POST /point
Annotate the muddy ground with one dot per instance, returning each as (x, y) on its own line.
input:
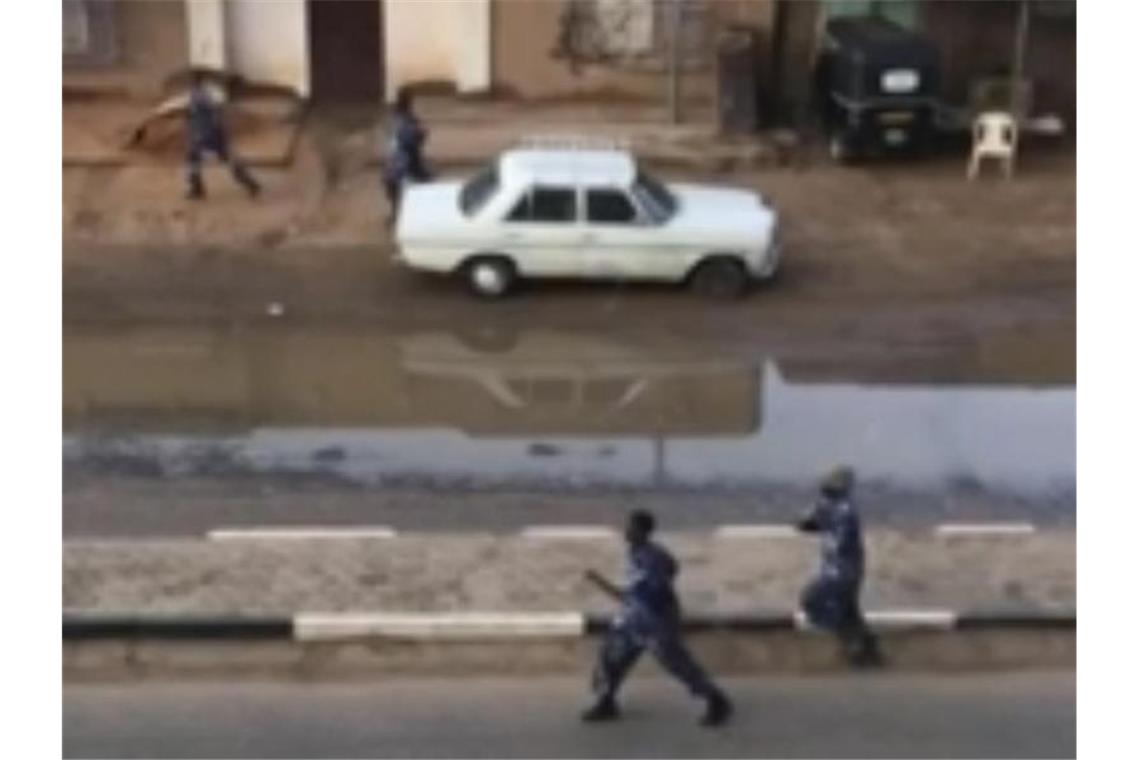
(893, 252)
(955, 281)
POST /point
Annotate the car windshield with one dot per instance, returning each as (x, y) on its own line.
(477, 190)
(655, 197)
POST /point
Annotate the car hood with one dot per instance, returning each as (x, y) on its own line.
(430, 209)
(704, 208)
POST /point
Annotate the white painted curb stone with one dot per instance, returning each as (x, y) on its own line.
(433, 626)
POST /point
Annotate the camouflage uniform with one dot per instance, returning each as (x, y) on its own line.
(207, 135)
(831, 599)
(404, 156)
(650, 618)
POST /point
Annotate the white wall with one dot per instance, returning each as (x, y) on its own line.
(267, 41)
(448, 40)
(206, 23)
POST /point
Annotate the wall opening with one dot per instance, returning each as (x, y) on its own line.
(346, 50)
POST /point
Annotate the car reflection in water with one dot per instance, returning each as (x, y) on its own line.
(539, 383)
(538, 408)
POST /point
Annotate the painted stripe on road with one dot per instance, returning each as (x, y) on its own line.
(757, 531)
(569, 531)
(985, 529)
(472, 625)
(300, 533)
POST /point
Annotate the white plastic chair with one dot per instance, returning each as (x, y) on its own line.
(995, 136)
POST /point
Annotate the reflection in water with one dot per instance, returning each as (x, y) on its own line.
(543, 383)
(541, 409)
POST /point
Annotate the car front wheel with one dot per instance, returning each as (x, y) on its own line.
(490, 276)
(721, 278)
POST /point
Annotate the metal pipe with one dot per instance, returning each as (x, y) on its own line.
(675, 61)
(1017, 104)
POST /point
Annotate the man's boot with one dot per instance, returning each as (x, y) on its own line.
(868, 655)
(195, 190)
(242, 175)
(717, 710)
(861, 650)
(602, 710)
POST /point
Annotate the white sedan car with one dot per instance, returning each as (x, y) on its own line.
(585, 214)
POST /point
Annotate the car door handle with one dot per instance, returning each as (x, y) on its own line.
(589, 238)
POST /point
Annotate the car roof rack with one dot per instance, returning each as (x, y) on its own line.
(574, 142)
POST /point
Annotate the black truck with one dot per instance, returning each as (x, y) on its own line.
(877, 84)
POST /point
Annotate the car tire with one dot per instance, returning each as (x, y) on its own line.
(721, 278)
(490, 276)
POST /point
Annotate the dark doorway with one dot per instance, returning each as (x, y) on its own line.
(345, 50)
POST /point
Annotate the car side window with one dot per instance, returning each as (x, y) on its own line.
(609, 207)
(546, 204)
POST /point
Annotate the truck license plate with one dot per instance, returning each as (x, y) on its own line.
(895, 136)
(896, 117)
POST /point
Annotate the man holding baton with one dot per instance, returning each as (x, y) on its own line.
(649, 618)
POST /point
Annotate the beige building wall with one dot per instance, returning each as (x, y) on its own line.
(438, 41)
(144, 42)
(268, 42)
(525, 34)
(206, 21)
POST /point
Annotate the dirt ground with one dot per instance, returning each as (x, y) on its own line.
(905, 252)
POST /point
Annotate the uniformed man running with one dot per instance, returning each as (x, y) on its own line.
(649, 618)
(831, 599)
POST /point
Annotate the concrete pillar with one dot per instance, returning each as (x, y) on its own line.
(433, 41)
(269, 41)
(206, 21)
(473, 40)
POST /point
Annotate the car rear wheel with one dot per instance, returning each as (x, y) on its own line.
(722, 278)
(490, 276)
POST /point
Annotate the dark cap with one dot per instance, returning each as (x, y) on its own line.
(838, 480)
(642, 521)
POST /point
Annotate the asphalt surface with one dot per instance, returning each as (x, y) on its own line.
(993, 715)
(111, 508)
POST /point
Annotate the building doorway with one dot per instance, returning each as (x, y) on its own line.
(346, 50)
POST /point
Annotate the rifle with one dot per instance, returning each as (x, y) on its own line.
(605, 585)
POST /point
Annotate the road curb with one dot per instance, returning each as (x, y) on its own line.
(1019, 620)
(100, 647)
(89, 626)
(78, 626)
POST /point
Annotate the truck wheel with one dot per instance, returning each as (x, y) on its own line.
(490, 276)
(722, 278)
(840, 149)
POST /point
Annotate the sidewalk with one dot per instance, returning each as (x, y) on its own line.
(470, 604)
(483, 573)
(462, 134)
(321, 174)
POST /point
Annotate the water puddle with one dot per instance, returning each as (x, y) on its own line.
(544, 409)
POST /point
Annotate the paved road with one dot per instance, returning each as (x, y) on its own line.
(112, 507)
(1000, 715)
